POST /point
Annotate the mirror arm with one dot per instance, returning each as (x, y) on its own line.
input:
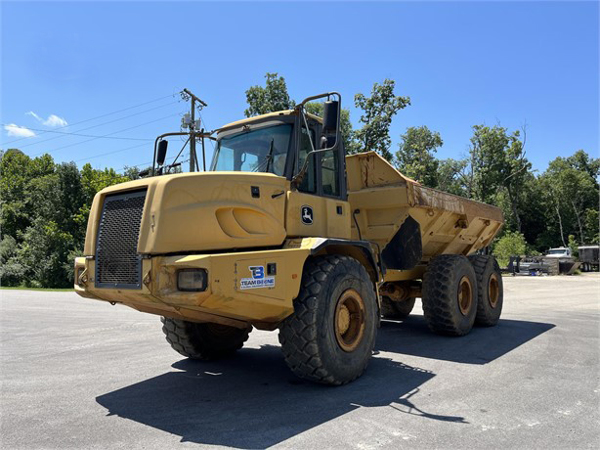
(180, 151)
(300, 175)
(316, 97)
(176, 133)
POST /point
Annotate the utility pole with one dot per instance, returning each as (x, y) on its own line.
(187, 94)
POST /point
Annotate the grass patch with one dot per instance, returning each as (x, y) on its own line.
(24, 288)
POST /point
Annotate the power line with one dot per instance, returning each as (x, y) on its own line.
(88, 135)
(99, 125)
(103, 115)
(110, 153)
(109, 134)
(118, 176)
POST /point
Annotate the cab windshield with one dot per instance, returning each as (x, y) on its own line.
(259, 150)
(558, 251)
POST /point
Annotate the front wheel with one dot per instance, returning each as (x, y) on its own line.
(330, 336)
(206, 341)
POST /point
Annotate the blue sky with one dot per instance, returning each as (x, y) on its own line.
(462, 63)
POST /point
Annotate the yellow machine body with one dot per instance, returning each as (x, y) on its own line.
(230, 222)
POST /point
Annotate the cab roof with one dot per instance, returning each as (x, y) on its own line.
(253, 119)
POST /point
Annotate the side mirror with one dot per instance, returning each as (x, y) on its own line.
(162, 152)
(331, 110)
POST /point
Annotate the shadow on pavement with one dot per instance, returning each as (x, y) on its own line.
(480, 346)
(253, 401)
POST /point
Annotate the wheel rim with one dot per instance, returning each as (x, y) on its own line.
(349, 320)
(465, 295)
(493, 290)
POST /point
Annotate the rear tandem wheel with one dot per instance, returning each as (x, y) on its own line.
(450, 295)
(490, 292)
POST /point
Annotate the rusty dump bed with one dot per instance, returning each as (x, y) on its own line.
(386, 199)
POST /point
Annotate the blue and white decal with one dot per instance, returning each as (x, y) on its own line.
(258, 280)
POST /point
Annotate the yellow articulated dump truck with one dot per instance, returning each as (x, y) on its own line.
(286, 232)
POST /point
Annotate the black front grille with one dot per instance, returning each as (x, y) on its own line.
(118, 265)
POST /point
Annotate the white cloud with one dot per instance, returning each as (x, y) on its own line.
(18, 131)
(53, 120)
(34, 115)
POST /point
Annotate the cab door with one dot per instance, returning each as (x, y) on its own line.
(319, 207)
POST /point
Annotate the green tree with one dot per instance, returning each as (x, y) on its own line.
(450, 176)
(486, 161)
(592, 226)
(571, 191)
(497, 163)
(270, 98)
(377, 113)
(17, 171)
(44, 251)
(581, 161)
(573, 246)
(11, 269)
(416, 155)
(512, 243)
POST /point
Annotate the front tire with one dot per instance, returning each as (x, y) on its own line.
(330, 336)
(204, 341)
(450, 295)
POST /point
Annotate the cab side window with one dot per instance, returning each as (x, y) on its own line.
(330, 173)
(309, 183)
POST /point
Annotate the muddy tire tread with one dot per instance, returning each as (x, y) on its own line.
(438, 299)
(298, 336)
(194, 340)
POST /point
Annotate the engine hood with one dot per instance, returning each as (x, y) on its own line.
(198, 212)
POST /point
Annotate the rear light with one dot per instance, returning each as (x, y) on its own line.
(192, 280)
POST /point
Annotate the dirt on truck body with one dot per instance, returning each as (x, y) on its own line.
(287, 232)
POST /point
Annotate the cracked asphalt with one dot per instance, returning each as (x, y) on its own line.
(77, 373)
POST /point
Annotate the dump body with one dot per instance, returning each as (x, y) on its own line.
(589, 254)
(386, 199)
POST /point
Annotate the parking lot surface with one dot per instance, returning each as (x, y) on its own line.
(77, 373)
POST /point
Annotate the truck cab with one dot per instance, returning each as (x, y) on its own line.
(559, 252)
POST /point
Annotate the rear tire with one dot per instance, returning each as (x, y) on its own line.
(490, 292)
(205, 341)
(450, 295)
(396, 310)
(330, 337)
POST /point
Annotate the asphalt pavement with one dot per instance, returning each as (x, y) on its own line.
(78, 373)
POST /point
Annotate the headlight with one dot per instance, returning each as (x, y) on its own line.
(192, 280)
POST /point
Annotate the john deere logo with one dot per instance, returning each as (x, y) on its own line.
(307, 215)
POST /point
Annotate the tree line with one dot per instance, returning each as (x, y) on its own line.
(44, 205)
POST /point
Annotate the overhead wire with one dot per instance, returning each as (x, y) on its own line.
(109, 134)
(89, 135)
(111, 153)
(100, 116)
(96, 126)
(118, 176)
